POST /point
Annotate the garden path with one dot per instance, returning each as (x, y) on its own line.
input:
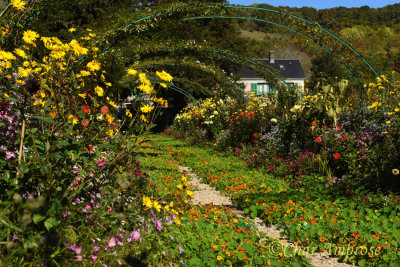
(205, 194)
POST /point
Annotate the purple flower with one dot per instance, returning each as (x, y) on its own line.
(75, 169)
(65, 213)
(173, 216)
(94, 256)
(96, 249)
(158, 225)
(135, 235)
(15, 237)
(180, 248)
(364, 197)
(78, 250)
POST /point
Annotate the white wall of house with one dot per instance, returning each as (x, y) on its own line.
(262, 85)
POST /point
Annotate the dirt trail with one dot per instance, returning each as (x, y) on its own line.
(205, 194)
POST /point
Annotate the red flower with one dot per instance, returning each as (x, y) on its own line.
(336, 155)
(318, 139)
(86, 108)
(325, 127)
(322, 239)
(104, 110)
(314, 123)
(344, 137)
(85, 123)
(338, 128)
(255, 134)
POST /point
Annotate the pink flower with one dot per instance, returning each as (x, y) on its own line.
(75, 169)
(101, 163)
(111, 242)
(135, 235)
(96, 249)
(94, 256)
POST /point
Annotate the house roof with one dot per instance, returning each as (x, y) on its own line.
(288, 69)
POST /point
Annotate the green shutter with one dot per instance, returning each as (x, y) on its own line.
(254, 88)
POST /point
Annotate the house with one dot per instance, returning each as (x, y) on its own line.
(289, 69)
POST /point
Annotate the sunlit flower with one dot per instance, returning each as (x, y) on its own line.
(132, 72)
(146, 109)
(72, 30)
(20, 52)
(99, 91)
(18, 4)
(77, 48)
(30, 37)
(93, 66)
(164, 76)
(395, 171)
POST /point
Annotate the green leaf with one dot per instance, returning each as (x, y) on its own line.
(51, 222)
(38, 218)
(362, 262)
(45, 119)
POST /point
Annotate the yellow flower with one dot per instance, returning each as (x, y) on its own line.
(128, 114)
(30, 37)
(110, 132)
(112, 103)
(146, 109)
(82, 95)
(387, 122)
(177, 222)
(146, 88)
(99, 91)
(72, 30)
(143, 118)
(132, 72)
(163, 85)
(6, 56)
(143, 79)
(77, 48)
(147, 202)
(73, 119)
(39, 102)
(189, 193)
(164, 76)
(84, 73)
(18, 4)
(157, 206)
(219, 257)
(395, 171)
(180, 187)
(23, 72)
(93, 66)
(20, 52)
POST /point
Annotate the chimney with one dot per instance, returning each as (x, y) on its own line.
(271, 57)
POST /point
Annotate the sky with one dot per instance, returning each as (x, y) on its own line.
(318, 4)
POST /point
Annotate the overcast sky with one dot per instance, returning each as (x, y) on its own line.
(318, 4)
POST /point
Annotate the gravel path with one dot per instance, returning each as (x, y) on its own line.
(205, 194)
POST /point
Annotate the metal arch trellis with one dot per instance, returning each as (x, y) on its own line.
(268, 10)
(188, 66)
(286, 27)
(215, 51)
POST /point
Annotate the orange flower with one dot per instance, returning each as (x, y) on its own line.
(376, 236)
(85, 123)
(104, 110)
(318, 139)
(336, 155)
(314, 123)
(322, 239)
(338, 128)
(269, 262)
(86, 108)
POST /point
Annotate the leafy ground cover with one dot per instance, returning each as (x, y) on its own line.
(314, 214)
(207, 234)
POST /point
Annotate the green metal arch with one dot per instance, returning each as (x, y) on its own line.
(215, 51)
(289, 28)
(308, 22)
(187, 66)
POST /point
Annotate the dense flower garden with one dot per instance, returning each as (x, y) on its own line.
(332, 173)
(83, 184)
